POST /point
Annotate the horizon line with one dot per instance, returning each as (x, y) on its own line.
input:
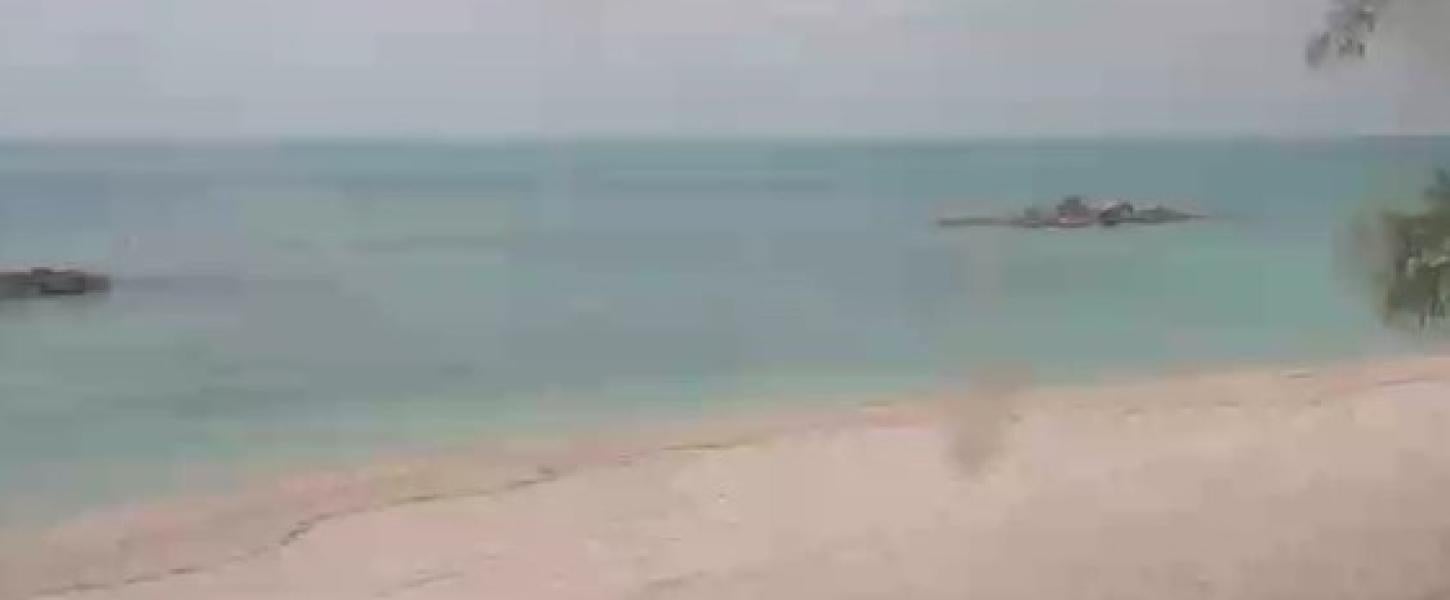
(447, 139)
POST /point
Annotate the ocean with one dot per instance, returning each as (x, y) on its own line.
(299, 303)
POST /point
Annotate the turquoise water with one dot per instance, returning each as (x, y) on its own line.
(314, 301)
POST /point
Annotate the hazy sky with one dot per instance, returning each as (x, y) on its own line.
(690, 67)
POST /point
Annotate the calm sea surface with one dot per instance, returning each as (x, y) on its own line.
(307, 302)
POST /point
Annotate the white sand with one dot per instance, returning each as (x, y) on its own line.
(1274, 484)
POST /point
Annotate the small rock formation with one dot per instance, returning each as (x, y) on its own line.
(1075, 212)
(41, 282)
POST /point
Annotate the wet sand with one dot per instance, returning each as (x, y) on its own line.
(1326, 482)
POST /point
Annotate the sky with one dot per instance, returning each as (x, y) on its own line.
(561, 68)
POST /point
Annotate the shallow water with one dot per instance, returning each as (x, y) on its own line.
(318, 301)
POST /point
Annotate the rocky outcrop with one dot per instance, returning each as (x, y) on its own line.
(1073, 212)
(51, 282)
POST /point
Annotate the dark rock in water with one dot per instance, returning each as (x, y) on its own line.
(1115, 213)
(1074, 212)
(1160, 214)
(51, 282)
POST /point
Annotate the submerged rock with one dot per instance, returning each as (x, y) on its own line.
(51, 282)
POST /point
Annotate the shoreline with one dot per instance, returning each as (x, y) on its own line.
(973, 461)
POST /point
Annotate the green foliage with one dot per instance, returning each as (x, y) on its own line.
(1346, 29)
(1410, 253)
(1416, 276)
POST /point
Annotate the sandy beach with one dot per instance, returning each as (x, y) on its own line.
(1323, 482)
